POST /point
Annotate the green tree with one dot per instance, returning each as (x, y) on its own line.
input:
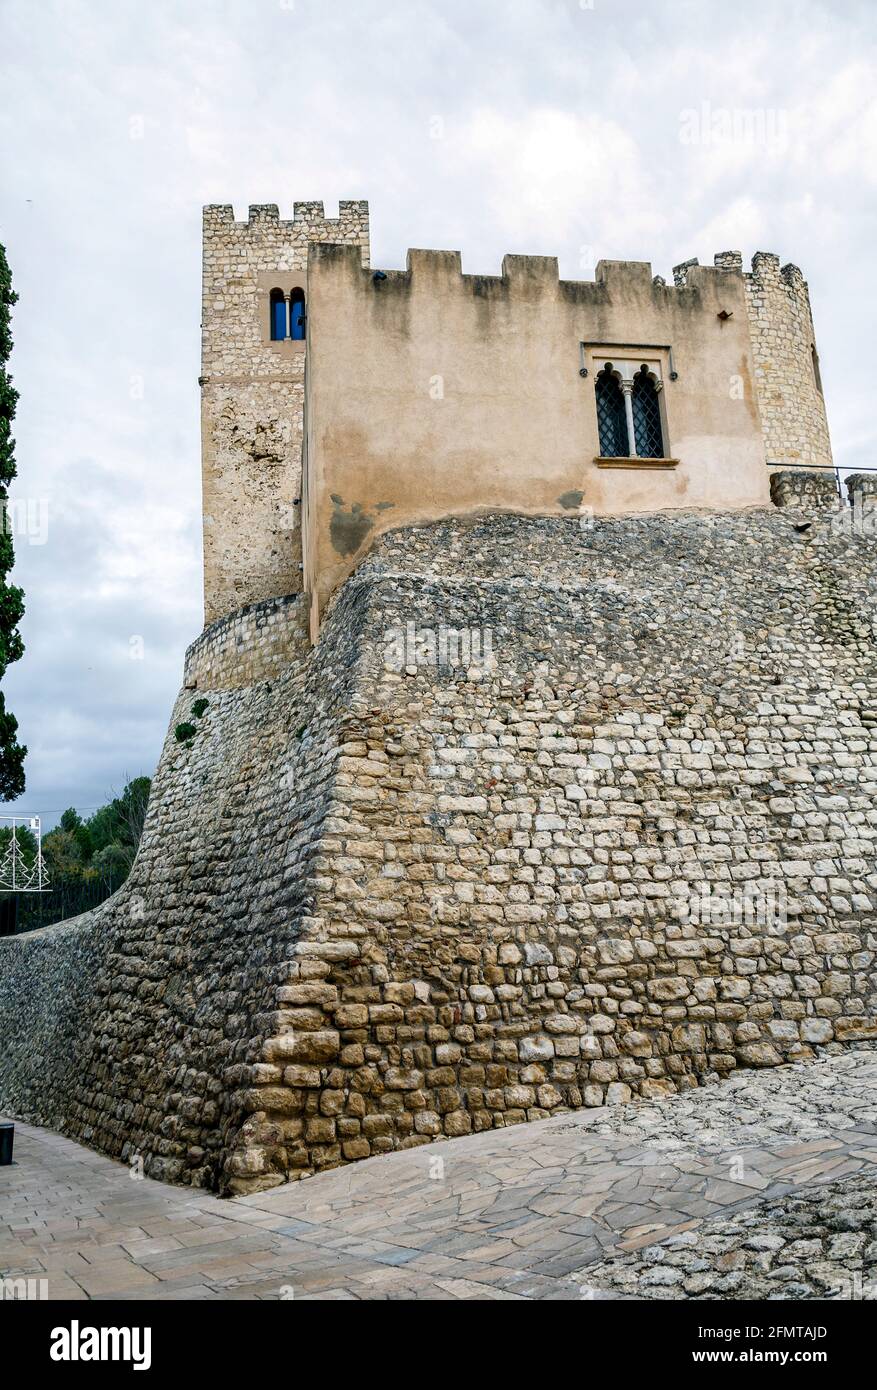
(12, 753)
(86, 860)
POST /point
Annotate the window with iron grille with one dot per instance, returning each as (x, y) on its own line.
(611, 418)
(648, 435)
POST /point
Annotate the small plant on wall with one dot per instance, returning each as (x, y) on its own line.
(185, 733)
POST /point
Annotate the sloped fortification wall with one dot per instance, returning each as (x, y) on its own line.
(135, 1026)
(382, 899)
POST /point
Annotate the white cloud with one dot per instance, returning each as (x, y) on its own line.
(548, 175)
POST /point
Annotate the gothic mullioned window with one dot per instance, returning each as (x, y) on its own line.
(278, 316)
(630, 419)
(610, 414)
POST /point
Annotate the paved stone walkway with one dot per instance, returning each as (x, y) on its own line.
(550, 1210)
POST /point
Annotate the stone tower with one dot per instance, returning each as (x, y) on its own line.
(252, 394)
(788, 383)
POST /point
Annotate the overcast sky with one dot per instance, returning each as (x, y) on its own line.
(645, 130)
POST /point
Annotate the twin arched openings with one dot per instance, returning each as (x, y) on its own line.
(629, 414)
(287, 315)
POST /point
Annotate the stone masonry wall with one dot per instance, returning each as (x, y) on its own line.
(255, 644)
(808, 489)
(622, 841)
(253, 397)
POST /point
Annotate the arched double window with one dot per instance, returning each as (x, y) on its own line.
(629, 411)
(287, 315)
(648, 435)
(611, 417)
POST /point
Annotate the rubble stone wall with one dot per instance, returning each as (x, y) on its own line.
(137, 1026)
(256, 643)
(553, 815)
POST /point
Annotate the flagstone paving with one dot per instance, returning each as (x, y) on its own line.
(583, 1205)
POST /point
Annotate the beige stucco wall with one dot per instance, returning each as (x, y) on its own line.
(432, 393)
(253, 395)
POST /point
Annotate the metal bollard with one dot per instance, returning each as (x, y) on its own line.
(7, 1135)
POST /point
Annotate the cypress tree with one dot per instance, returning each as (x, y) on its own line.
(11, 597)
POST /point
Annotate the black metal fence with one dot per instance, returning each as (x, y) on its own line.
(22, 912)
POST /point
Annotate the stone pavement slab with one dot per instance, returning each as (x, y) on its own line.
(544, 1210)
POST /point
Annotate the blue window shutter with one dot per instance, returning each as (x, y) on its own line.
(278, 316)
(297, 315)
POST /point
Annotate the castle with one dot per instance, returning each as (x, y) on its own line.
(340, 402)
(572, 800)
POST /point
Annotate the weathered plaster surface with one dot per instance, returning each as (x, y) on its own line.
(432, 393)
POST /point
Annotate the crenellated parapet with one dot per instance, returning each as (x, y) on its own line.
(524, 276)
(307, 217)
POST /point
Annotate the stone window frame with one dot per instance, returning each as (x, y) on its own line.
(287, 281)
(624, 363)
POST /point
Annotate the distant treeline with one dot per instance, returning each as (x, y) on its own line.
(86, 860)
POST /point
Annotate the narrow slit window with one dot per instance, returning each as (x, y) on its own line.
(610, 415)
(297, 315)
(648, 435)
(278, 316)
